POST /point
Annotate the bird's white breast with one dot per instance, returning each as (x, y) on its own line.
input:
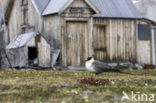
(89, 66)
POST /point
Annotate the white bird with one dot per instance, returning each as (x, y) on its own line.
(98, 66)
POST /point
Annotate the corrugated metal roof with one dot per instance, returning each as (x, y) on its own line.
(54, 6)
(21, 40)
(116, 8)
(108, 8)
(41, 4)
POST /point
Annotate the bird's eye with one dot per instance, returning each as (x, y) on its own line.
(89, 58)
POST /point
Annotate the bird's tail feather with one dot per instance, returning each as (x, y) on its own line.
(119, 71)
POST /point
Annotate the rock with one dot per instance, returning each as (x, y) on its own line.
(87, 93)
(139, 67)
(60, 68)
(126, 64)
(35, 62)
(75, 68)
(132, 67)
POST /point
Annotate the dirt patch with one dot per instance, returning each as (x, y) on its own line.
(147, 66)
(93, 81)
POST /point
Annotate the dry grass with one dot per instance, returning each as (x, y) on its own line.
(65, 87)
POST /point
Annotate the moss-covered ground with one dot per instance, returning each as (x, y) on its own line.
(65, 87)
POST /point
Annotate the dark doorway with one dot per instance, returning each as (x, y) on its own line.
(32, 55)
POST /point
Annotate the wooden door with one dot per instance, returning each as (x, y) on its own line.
(75, 46)
(100, 50)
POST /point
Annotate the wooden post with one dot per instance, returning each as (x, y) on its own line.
(7, 58)
(153, 47)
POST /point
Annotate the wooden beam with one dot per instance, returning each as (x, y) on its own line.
(153, 48)
(9, 9)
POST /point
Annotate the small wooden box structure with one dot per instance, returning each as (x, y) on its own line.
(29, 49)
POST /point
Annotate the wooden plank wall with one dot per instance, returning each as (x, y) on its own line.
(144, 52)
(120, 39)
(44, 53)
(34, 18)
(88, 38)
(155, 43)
(100, 50)
(15, 20)
(52, 30)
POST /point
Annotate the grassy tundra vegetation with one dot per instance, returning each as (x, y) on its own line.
(72, 86)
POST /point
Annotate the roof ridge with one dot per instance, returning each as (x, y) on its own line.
(45, 7)
(58, 6)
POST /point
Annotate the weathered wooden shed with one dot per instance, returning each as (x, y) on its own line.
(104, 29)
(29, 49)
